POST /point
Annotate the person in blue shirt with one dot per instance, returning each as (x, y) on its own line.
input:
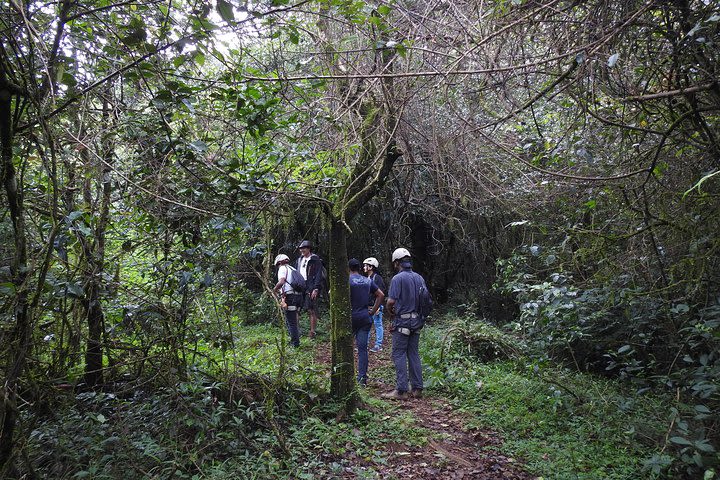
(370, 265)
(360, 289)
(402, 306)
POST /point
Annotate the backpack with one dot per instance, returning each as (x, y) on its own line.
(425, 302)
(296, 281)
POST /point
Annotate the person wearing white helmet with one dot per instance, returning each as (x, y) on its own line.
(290, 300)
(370, 266)
(402, 306)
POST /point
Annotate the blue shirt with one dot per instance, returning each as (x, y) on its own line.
(360, 289)
(404, 288)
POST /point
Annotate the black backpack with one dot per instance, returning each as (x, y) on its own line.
(296, 281)
(425, 302)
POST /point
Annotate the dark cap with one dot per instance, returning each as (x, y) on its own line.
(305, 244)
(354, 264)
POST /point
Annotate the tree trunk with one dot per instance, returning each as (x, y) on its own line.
(19, 344)
(94, 253)
(342, 379)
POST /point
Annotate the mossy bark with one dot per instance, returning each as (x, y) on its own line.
(342, 378)
(18, 344)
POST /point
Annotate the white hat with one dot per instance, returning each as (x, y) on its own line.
(400, 253)
(371, 261)
(281, 258)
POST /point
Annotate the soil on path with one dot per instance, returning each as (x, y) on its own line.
(453, 451)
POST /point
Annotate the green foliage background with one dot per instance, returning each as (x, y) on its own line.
(554, 172)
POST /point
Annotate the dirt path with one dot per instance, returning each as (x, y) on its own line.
(453, 452)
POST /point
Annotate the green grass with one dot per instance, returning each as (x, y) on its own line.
(561, 425)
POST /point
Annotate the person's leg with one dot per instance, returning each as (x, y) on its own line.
(379, 331)
(399, 358)
(361, 342)
(291, 321)
(313, 321)
(311, 307)
(413, 353)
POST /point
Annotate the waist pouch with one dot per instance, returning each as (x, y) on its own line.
(411, 324)
(294, 300)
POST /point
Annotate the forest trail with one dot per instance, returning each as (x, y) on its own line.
(453, 452)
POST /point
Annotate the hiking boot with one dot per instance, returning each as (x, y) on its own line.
(416, 393)
(395, 395)
(376, 349)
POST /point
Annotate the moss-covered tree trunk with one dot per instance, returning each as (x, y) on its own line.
(18, 343)
(342, 378)
(376, 114)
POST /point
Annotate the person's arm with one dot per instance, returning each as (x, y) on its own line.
(390, 305)
(379, 297)
(315, 283)
(280, 282)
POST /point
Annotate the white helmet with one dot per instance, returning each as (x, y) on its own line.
(372, 261)
(281, 258)
(400, 253)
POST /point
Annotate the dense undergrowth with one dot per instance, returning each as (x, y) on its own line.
(270, 418)
(561, 424)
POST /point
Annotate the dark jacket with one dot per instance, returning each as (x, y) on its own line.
(380, 284)
(314, 272)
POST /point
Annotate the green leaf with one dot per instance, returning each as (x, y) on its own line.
(383, 9)
(199, 146)
(680, 441)
(188, 104)
(7, 288)
(74, 216)
(75, 290)
(85, 230)
(225, 9)
(294, 36)
(704, 446)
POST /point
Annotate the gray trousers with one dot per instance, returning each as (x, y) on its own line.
(405, 353)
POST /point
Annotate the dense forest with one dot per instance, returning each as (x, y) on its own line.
(552, 165)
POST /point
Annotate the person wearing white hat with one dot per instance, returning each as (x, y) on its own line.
(370, 266)
(403, 306)
(290, 300)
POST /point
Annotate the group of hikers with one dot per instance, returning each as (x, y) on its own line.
(407, 303)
